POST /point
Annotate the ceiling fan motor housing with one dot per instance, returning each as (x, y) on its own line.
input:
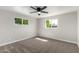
(38, 9)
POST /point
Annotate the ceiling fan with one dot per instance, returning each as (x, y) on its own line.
(39, 9)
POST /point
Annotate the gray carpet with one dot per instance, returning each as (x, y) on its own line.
(40, 45)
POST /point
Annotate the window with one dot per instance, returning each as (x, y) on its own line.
(21, 21)
(25, 22)
(51, 23)
(18, 21)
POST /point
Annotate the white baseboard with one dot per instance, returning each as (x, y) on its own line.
(61, 40)
(15, 41)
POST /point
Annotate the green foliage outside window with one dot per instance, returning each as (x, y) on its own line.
(25, 22)
(18, 20)
(48, 24)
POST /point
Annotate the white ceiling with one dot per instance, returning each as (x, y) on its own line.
(52, 10)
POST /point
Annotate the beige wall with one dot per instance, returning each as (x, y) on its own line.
(66, 31)
(11, 32)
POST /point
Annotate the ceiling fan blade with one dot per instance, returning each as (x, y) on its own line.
(34, 12)
(44, 8)
(33, 8)
(44, 12)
